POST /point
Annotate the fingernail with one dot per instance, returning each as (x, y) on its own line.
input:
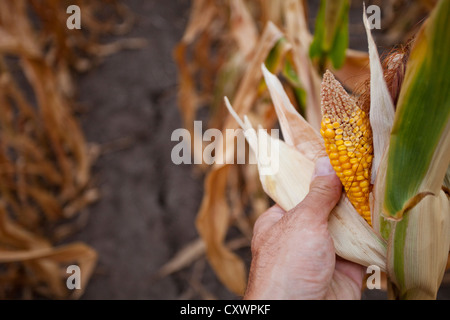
(323, 167)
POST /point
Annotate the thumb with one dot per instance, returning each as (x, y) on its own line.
(324, 191)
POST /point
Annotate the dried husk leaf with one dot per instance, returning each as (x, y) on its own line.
(296, 131)
(381, 106)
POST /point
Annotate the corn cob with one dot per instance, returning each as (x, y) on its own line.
(348, 142)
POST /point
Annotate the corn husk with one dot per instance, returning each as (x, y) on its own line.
(419, 152)
(221, 206)
(381, 106)
(418, 250)
(409, 192)
(291, 176)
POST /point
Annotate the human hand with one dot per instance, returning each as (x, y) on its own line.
(293, 252)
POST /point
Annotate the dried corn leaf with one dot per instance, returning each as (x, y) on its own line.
(214, 215)
(212, 224)
(298, 35)
(46, 165)
(45, 264)
(243, 28)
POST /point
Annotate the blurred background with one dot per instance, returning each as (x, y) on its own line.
(85, 135)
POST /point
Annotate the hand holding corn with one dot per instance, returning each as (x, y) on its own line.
(293, 253)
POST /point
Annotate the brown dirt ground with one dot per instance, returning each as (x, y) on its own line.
(148, 204)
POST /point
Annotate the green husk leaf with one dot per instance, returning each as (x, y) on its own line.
(447, 178)
(419, 152)
(418, 250)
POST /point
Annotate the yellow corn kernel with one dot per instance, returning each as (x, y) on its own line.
(349, 146)
(335, 163)
(332, 147)
(357, 194)
(348, 173)
(346, 165)
(333, 155)
(329, 133)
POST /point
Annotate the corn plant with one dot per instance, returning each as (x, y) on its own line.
(392, 160)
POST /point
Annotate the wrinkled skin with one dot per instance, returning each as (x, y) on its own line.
(293, 252)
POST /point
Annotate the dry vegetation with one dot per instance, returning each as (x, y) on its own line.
(220, 55)
(45, 161)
